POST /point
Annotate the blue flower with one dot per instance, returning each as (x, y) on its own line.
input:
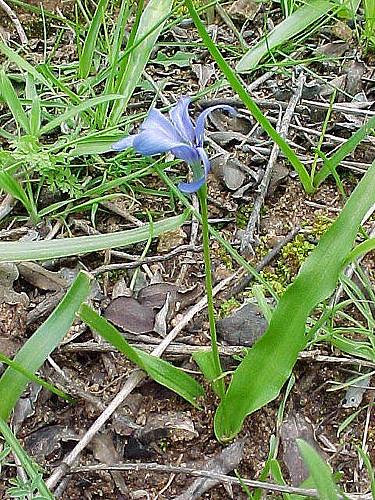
(179, 136)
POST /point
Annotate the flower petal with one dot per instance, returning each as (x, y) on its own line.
(186, 153)
(179, 115)
(191, 187)
(206, 162)
(151, 142)
(125, 143)
(199, 127)
(158, 123)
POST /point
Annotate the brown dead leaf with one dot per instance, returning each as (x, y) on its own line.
(131, 316)
(170, 240)
(296, 427)
(41, 278)
(243, 327)
(244, 9)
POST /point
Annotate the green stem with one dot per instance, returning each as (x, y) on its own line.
(219, 383)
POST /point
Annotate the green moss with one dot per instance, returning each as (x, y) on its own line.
(321, 224)
(283, 270)
(243, 215)
(228, 306)
(225, 258)
(295, 253)
(183, 10)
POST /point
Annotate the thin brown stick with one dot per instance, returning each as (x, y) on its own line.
(247, 240)
(13, 17)
(147, 260)
(229, 350)
(223, 478)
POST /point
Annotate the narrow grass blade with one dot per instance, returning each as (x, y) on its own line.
(14, 188)
(35, 351)
(14, 104)
(34, 378)
(361, 249)
(159, 370)
(35, 112)
(26, 462)
(13, 56)
(76, 110)
(86, 58)
(139, 57)
(299, 21)
(320, 472)
(245, 97)
(116, 67)
(344, 150)
(266, 367)
(50, 249)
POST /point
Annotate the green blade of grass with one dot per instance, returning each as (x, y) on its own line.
(115, 67)
(361, 249)
(159, 370)
(245, 97)
(16, 366)
(262, 373)
(320, 472)
(76, 110)
(10, 97)
(330, 164)
(35, 112)
(14, 188)
(25, 461)
(299, 21)
(138, 58)
(86, 58)
(39, 346)
(13, 251)
(13, 56)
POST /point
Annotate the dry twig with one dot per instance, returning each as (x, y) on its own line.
(13, 17)
(223, 478)
(248, 236)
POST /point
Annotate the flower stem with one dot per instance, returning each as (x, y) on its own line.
(219, 384)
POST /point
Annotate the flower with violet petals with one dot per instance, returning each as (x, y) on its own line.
(177, 135)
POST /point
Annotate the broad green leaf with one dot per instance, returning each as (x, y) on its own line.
(159, 370)
(39, 346)
(299, 21)
(35, 112)
(180, 59)
(138, 58)
(14, 104)
(320, 472)
(14, 251)
(261, 375)
(26, 462)
(86, 58)
(356, 348)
